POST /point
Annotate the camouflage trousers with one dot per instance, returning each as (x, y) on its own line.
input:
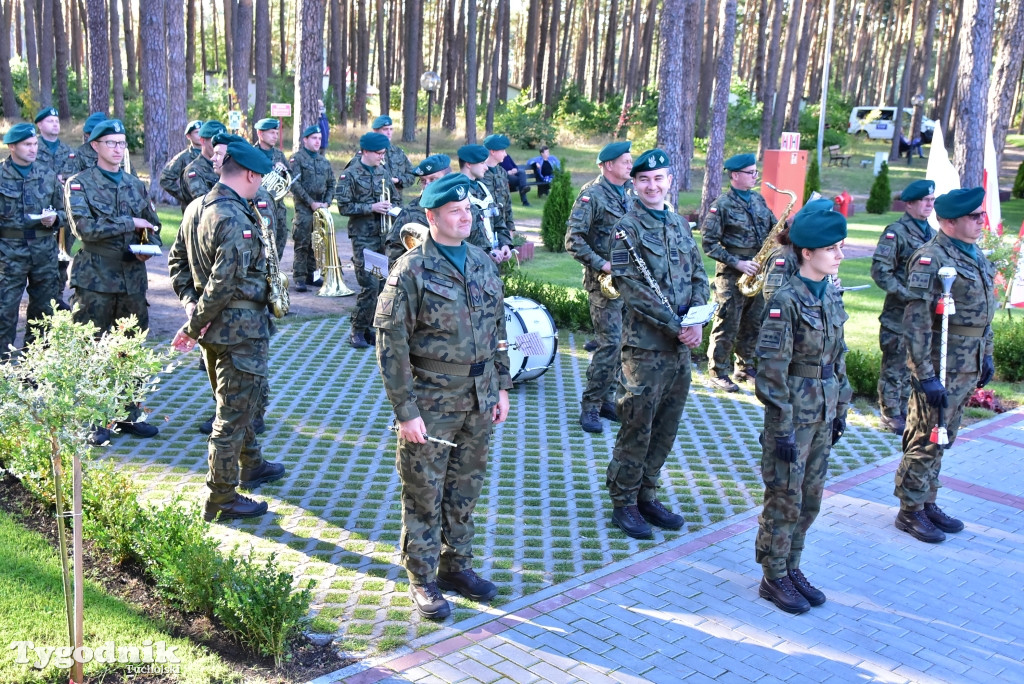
(603, 371)
(440, 488)
(736, 327)
(302, 240)
(281, 227)
(894, 378)
(370, 286)
(238, 376)
(792, 496)
(102, 309)
(26, 265)
(652, 396)
(917, 477)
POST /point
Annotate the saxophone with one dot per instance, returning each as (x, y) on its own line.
(278, 299)
(750, 285)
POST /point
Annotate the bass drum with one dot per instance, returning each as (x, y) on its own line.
(532, 338)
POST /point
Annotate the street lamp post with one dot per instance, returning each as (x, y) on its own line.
(429, 81)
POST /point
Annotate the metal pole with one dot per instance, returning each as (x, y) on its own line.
(824, 84)
(430, 106)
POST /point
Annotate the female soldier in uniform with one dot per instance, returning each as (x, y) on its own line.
(802, 383)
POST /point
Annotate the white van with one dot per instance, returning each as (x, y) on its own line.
(877, 122)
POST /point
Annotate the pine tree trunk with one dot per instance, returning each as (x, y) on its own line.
(131, 55)
(530, 56)
(309, 65)
(177, 114)
(241, 50)
(670, 91)
(792, 40)
(949, 80)
(449, 59)
(505, 41)
(31, 54)
(153, 81)
(190, 47)
(595, 63)
(117, 80)
(924, 67)
(688, 119)
(411, 73)
(7, 96)
(61, 55)
(46, 49)
(99, 56)
(716, 135)
(550, 87)
(383, 75)
(608, 65)
(972, 90)
(343, 43)
(362, 62)
(800, 69)
(904, 92)
(261, 60)
(707, 68)
(770, 82)
(1006, 77)
(76, 42)
(471, 70)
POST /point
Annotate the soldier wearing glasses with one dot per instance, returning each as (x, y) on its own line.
(736, 226)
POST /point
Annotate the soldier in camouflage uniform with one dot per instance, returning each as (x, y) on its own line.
(896, 245)
(781, 264)
(171, 176)
(655, 376)
(395, 161)
(440, 320)
(85, 156)
(226, 305)
(359, 197)
(429, 170)
(109, 210)
(313, 189)
(802, 383)
(54, 153)
(969, 363)
(198, 176)
(589, 238)
(268, 134)
(489, 230)
(28, 247)
(736, 226)
(496, 177)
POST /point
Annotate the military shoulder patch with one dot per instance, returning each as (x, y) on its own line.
(393, 280)
(770, 339)
(774, 280)
(883, 250)
(920, 281)
(780, 262)
(386, 306)
(262, 204)
(713, 210)
(925, 261)
(774, 313)
(75, 186)
(71, 155)
(620, 257)
(890, 236)
(247, 233)
(191, 174)
(341, 177)
(584, 199)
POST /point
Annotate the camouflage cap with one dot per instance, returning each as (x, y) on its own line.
(90, 123)
(211, 128)
(19, 132)
(267, 124)
(814, 229)
(451, 188)
(382, 121)
(374, 142)
(248, 157)
(46, 112)
(957, 203)
(193, 125)
(497, 141)
(649, 161)
(614, 150)
(739, 161)
(473, 154)
(105, 128)
(310, 130)
(919, 189)
(432, 164)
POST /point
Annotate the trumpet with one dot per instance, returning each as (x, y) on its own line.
(325, 249)
(278, 181)
(387, 221)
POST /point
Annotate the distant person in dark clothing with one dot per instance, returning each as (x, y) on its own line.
(543, 167)
(910, 147)
(516, 178)
(324, 126)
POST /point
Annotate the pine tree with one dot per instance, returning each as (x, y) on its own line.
(881, 194)
(556, 212)
(813, 181)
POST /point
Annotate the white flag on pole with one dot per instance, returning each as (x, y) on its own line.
(994, 217)
(940, 170)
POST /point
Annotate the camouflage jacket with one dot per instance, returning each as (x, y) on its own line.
(486, 212)
(264, 205)
(398, 166)
(590, 228)
(675, 263)
(170, 177)
(219, 262)
(20, 197)
(198, 178)
(83, 158)
(100, 214)
(359, 188)
(779, 267)
(394, 247)
(314, 179)
(496, 180)
(970, 326)
(896, 245)
(61, 161)
(428, 314)
(734, 230)
(802, 335)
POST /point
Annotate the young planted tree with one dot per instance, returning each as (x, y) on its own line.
(881, 193)
(556, 211)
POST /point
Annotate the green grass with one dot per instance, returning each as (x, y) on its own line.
(32, 609)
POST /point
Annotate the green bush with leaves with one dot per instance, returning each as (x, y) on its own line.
(881, 193)
(525, 122)
(1008, 351)
(259, 605)
(112, 515)
(568, 306)
(837, 116)
(556, 211)
(863, 369)
(743, 120)
(813, 182)
(1018, 183)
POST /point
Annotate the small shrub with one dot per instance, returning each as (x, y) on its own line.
(813, 182)
(112, 516)
(569, 307)
(556, 212)
(881, 194)
(1008, 352)
(863, 369)
(1018, 183)
(525, 122)
(259, 607)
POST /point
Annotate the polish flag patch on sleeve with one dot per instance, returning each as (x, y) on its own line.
(262, 204)
(191, 174)
(75, 186)
(780, 262)
(925, 261)
(775, 313)
(247, 233)
(584, 199)
(713, 210)
(890, 236)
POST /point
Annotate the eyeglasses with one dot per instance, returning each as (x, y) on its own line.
(978, 216)
(115, 144)
(752, 174)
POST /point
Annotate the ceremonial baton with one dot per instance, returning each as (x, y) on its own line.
(945, 307)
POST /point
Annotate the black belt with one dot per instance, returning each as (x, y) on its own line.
(963, 330)
(103, 250)
(246, 304)
(741, 252)
(464, 370)
(27, 234)
(801, 370)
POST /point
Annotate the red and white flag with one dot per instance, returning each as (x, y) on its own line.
(993, 215)
(940, 170)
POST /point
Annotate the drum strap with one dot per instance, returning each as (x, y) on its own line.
(463, 370)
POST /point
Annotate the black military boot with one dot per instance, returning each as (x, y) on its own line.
(357, 339)
(724, 382)
(655, 513)
(99, 436)
(240, 507)
(783, 594)
(267, 472)
(206, 427)
(629, 520)
(941, 520)
(315, 283)
(590, 420)
(748, 374)
(429, 602)
(467, 583)
(138, 429)
(608, 411)
(894, 424)
(918, 526)
(590, 345)
(371, 337)
(814, 596)
(300, 285)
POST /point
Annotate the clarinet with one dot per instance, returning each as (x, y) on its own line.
(642, 267)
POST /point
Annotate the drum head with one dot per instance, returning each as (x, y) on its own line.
(532, 338)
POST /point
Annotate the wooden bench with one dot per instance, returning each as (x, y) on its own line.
(836, 156)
